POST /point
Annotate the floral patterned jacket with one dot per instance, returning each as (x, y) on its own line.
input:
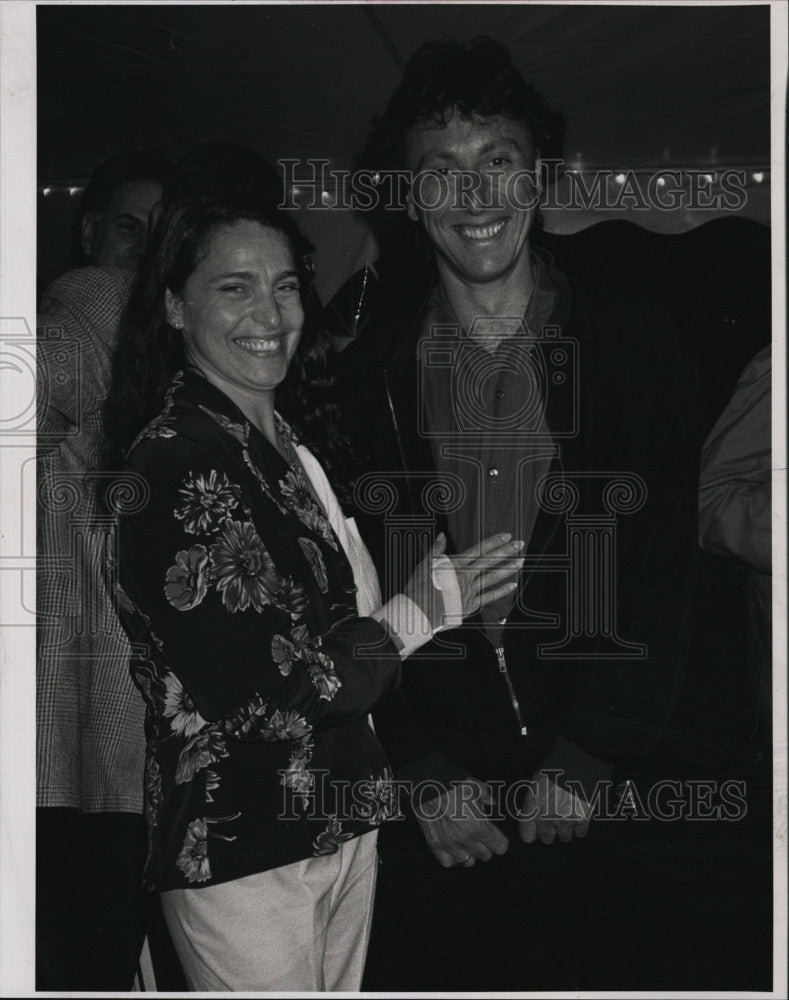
(257, 672)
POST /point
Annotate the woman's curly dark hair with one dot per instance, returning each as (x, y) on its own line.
(150, 351)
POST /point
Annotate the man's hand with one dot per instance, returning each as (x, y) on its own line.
(460, 834)
(553, 811)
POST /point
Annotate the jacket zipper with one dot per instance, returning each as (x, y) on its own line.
(499, 649)
(513, 697)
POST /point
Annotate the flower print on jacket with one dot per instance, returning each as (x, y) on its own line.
(299, 499)
(146, 676)
(154, 797)
(161, 425)
(285, 652)
(242, 568)
(324, 676)
(381, 800)
(211, 784)
(285, 725)
(246, 718)
(208, 500)
(328, 840)
(304, 648)
(179, 708)
(193, 856)
(239, 431)
(291, 598)
(313, 556)
(296, 491)
(206, 748)
(297, 776)
(187, 581)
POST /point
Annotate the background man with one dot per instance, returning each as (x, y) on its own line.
(92, 915)
(116, 206)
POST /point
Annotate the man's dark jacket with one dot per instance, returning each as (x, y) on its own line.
(633, 401)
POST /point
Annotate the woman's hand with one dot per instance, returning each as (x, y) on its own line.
(483, 573)
(487, 571)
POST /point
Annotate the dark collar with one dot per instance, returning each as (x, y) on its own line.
(548, 305)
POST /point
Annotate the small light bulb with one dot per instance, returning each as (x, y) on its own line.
(758, 176)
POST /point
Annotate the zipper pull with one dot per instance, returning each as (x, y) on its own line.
(513, 697)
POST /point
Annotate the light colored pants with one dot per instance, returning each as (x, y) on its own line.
(304, 926)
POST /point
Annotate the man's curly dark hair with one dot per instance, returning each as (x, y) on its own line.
(476, 79)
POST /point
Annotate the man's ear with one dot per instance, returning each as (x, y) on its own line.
(174, 309)
(88, 232)
(154, 215)
(410, 207)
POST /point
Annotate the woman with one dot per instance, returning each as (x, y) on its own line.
(255, 610)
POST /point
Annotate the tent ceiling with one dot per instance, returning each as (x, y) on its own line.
(639, 86)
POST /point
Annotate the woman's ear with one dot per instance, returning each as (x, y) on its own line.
(174, 308)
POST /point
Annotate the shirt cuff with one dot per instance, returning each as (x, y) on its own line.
(406, 623)
(445, 579)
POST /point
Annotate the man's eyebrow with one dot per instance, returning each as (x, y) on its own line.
(505, 141)
(445, 156)
(127, 217)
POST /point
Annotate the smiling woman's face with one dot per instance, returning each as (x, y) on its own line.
(241, 311)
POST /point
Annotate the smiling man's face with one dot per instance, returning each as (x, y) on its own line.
(481, 237)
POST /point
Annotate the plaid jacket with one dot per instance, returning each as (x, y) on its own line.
(90, 748)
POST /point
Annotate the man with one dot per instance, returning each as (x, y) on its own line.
(92, 915)
(116, 206)
(516, 399)
(90, 840)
